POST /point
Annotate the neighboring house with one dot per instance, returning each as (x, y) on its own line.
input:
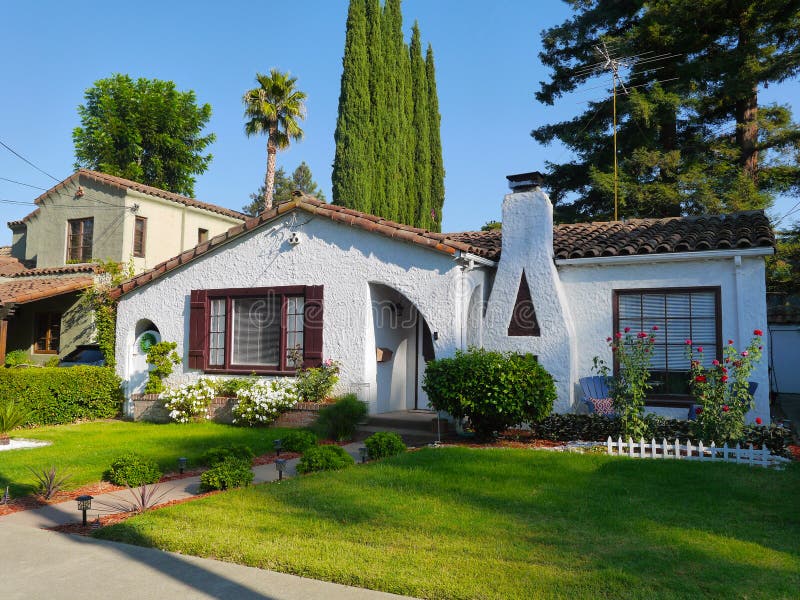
(89, 217)
(783, 322)
(383, 298)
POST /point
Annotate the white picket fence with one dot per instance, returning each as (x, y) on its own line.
(751, 456)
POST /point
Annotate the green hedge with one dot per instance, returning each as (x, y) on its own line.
(53, 395)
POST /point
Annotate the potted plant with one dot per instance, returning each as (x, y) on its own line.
(11, 416)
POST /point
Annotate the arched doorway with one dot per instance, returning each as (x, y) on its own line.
(403, 346)
(145, 335)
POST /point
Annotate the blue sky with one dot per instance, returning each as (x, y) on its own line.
(486, 65)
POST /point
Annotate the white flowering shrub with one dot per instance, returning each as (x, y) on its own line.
(263, 401)
(189, 402)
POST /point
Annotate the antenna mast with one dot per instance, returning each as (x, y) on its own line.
(614, 65)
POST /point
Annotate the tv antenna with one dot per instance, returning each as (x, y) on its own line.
(608, 63)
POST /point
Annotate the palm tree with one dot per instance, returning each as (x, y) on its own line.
(273, 108)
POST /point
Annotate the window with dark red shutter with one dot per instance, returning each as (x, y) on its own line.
(255, 330)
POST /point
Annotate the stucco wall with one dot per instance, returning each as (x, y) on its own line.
(344, 260)
(589, 291)
(785, 341)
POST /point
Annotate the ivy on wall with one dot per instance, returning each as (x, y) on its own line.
(98, 299)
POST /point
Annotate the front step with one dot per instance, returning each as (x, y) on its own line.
(417, 421)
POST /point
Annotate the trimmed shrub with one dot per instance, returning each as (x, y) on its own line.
(132, 469)
(214, 456)
(324, 458)
(299, 440)
(263, 400)
(231, 472)
(494, 390)
(339, 420)
(384, 444)
(52, 396)
(315, 384)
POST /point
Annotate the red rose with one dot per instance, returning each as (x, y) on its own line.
(730, 342)
(758, 420)
(618, 335)
(655, 327)
(608, 339)
(724, 378)
(647, 349)
(758, 332)
(699, 348)
(744, 353)
(700, 378)
(761, 347)
(698, 410)
(725, 408)
(641, 335)
(688, 342)
(715, 362)
(627, 330)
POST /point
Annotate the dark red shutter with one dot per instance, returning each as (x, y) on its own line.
(198, 329)
(312, 333)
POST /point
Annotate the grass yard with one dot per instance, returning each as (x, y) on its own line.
(465, 523)
(86, 450)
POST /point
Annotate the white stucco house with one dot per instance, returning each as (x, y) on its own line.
(383, 298)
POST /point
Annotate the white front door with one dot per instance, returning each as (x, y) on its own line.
(138, 368)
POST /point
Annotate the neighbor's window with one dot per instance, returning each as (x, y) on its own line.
(256, 332)
(47, 326)
(139, 236)
(202, 235)
(79, 239)
(680, 315)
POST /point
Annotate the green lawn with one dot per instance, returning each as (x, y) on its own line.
(462, 523)
(86, 450)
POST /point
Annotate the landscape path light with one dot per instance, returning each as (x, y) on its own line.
(278, 444)
(84, 504)
(182, 464)
(363, 452)
(280, 464)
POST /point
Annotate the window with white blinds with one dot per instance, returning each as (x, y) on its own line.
(216, 333)
(680, 315)
(256, 331)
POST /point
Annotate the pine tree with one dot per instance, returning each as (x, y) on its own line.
(351, 176)
(301, 179)
(697, 143)
(437, 163)
(421, 126)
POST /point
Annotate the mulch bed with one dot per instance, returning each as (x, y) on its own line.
(103, 487)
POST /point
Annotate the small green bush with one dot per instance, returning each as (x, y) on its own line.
(231, 472)
(299, 440)
(12, 415)
(315, 384)
(339, 420)
(324, 458)
(16, 358)
(214, 456)
(384, 444)
(494, 390)
(133, 469)
(52, 396)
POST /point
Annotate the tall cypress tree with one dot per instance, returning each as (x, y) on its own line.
(437, 163)
(421, 127)
(395, 151)
(378, 101)
(351, 177)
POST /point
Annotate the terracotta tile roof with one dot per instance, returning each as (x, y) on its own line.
(743, 230)
(5, 250)
(749, 229)
(65, 270)
(27, 290)
(124, 185)
(10, 265)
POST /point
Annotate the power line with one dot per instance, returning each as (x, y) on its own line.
(18, 155)
(36, 187)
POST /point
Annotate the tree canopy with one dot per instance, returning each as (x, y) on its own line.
(144, 130)
(301, 179)
(693, 136)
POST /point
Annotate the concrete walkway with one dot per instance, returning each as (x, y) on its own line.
(44, 564)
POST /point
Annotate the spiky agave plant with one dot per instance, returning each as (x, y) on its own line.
(12, 415)
(50, 481)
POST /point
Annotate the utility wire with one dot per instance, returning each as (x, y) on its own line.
(36, 187)
(18, 155)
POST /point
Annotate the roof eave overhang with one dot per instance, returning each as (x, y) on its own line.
(665, 257)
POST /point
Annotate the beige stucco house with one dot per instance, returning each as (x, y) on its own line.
(89, 217)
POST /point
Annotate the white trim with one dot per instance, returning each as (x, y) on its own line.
(665, 257)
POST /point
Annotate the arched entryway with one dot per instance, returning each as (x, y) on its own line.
(145, 335)
(403, 346)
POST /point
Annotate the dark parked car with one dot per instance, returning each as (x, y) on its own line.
(85, 354)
